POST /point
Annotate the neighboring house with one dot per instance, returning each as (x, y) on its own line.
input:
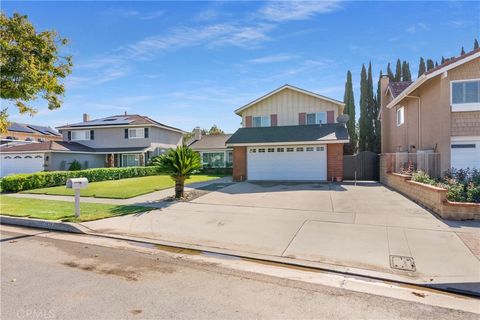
(116, 141)
(437, 113)
(21, 133)
(289, 134)
(213, 151)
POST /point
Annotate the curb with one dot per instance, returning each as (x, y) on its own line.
(42, 224)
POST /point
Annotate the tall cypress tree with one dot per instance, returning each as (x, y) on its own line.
(363, 122)
(398, 71)
(475, 44)
(430, 64)
(370, 110)
(406, 74)
(421, 67)
(349, 109)
(390, 75)
(462, 52)
(443, 60)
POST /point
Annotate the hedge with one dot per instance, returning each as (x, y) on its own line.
(20, 182)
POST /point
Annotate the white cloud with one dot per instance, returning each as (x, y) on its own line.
(417, 27)
(126, 13)
(296, 10)
(271, 59)
(206, 15)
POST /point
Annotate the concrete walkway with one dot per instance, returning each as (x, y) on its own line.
(366, 229)
(153, 199)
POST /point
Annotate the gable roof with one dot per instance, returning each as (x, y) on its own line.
(448, 65)
(119, 120)
(398, 87)
(210, 141)
(290, 134)
(284, 87)
(34, 129)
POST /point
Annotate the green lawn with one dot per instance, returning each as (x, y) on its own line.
(122, 189)
(62, 210)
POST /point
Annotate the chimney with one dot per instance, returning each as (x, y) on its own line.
(86, 117)
(125, 113)
(197, 133)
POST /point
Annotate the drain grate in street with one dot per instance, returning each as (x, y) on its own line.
(402, 263)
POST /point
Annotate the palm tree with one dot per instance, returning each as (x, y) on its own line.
(179, 163)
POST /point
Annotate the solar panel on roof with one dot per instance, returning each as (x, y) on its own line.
(19, 128)
(99, 122)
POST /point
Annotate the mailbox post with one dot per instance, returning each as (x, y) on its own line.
(77, 184)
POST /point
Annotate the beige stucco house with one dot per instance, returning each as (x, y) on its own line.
(289, 134)
(437, 113)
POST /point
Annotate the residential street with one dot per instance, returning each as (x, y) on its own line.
(44, 278)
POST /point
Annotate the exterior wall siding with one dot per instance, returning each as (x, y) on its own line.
(287, 104)
(465, 123)
(334, 161)
(239, 163)
(115, 137)
(55, 160)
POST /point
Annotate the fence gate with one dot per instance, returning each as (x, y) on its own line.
(361, 166)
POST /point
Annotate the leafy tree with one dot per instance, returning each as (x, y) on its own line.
(215, 130)
(398, 71)
(179, 163)
(390, 73)
(406, 75)
(430, 64)
(462, 52)
(475, 44)
(421, 67)
(349, 109)
(30, 65)
(363, 120)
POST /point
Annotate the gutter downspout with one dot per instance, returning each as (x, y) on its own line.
(419, 134)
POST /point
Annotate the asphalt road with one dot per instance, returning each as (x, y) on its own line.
(44, 278)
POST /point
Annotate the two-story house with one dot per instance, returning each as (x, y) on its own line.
(289, 134)
(23, 133)
(439, 114)
(116, 141)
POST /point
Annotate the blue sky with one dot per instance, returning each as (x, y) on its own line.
(190, 64)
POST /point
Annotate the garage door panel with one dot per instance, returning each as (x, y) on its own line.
(296, 165)
(21, 163)
(465, 154)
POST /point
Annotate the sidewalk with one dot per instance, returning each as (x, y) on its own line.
(153, 199)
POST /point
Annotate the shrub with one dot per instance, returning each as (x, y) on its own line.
(21, 182)
(456, 193)
(473, 193)
(423, 177)
(74, 166)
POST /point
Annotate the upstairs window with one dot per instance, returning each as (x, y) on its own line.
(317, 118)
(263, 121)
(465, 95)
(400, 116)
(136, 133)
(79, 135)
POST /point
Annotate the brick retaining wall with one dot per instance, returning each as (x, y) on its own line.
(434, 198)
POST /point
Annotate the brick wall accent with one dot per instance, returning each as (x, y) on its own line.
(334, 161)
(465, 123)
(239, 163)
(432, 197)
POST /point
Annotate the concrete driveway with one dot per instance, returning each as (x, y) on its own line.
(365, 229)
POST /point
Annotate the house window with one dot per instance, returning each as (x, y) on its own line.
(316, 118)
(130, 160)
(464, 146)
(308, 149)
(229, 158)
(136, 133)
(80, 135)
(263, 121)
(280, 149)
(465, 95)
(262, 150)
(253, 150)
(400, 116)
(271, 150)
(213, 159)
(320, 148)
(299, 149)
(289, 149)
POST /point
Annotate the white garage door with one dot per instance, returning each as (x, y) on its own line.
(21, 163)
(287, 163)
(465, 153)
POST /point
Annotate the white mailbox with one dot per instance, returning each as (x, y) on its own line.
(77, 183)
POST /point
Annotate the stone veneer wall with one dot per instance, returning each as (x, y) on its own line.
(434, 198)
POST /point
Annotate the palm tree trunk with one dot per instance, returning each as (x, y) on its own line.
(179, 187)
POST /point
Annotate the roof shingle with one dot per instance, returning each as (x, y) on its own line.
(211, 141)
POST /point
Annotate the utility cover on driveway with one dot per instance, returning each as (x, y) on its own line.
(402, 263)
